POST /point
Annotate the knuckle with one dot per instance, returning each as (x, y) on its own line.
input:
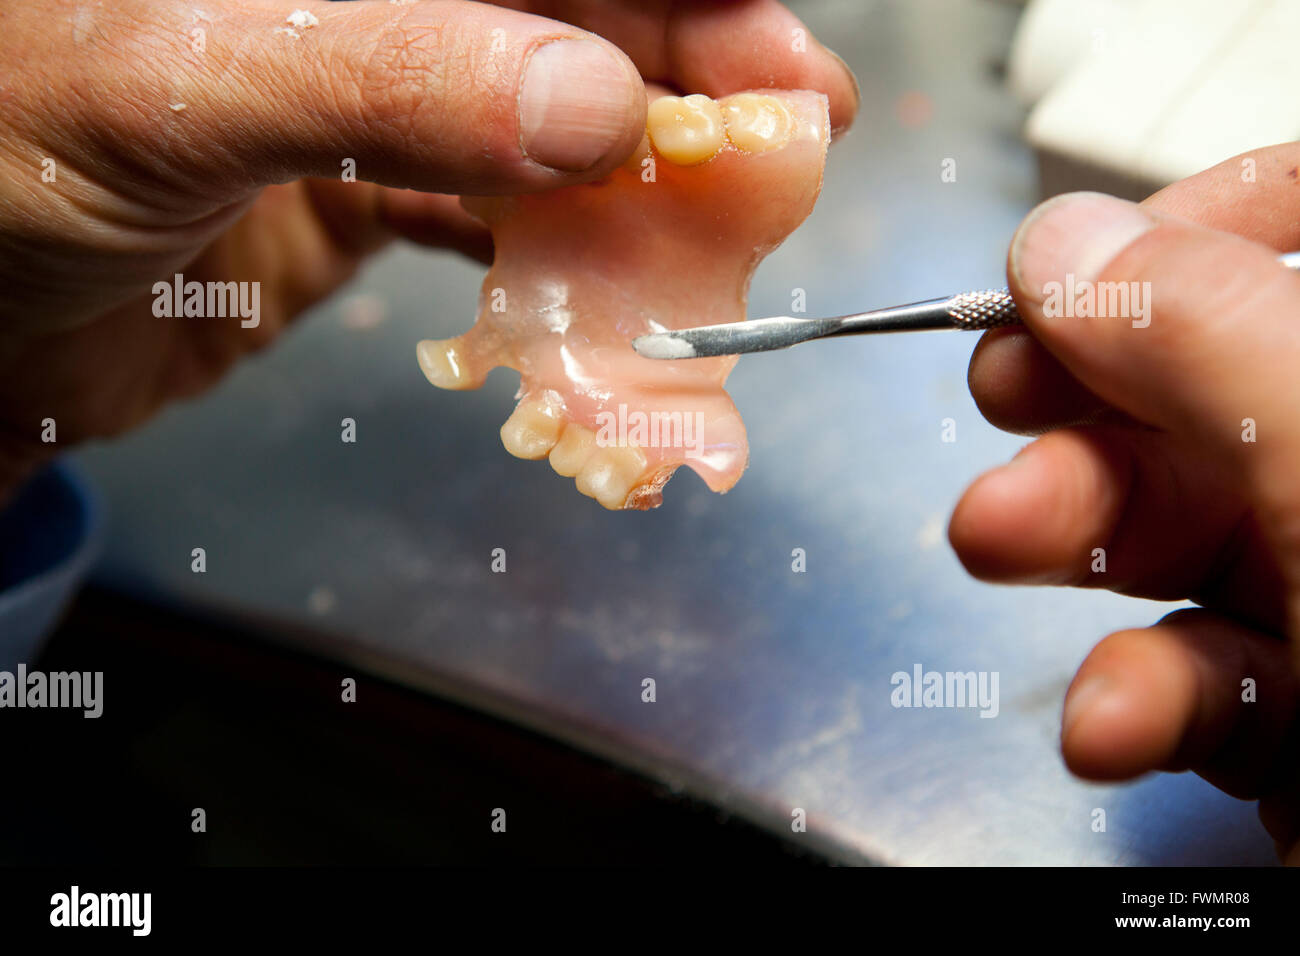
(134, 70)
(394, 77)
(415, 81)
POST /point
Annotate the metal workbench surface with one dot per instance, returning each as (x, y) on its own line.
(773, 687)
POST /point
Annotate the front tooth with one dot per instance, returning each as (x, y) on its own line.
(686, 130)
(444, 365)
(572, 450)
(610, 475)
(756, 122)
(533, 428)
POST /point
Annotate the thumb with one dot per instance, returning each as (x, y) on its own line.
(444, 96)
(1191, 330)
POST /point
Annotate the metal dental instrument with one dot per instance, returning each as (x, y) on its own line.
(966, 310)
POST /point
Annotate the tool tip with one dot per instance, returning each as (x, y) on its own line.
(663, 345)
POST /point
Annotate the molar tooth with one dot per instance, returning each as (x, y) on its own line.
(572, 450)
(534, 427)
(610, 475)
(756, 122)
(444, 364)
(686, 130)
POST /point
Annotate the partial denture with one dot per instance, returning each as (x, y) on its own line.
(669, 240)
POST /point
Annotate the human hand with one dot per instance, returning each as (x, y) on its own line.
(1174, 447)
(138, 139)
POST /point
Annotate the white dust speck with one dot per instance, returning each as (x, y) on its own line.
(302, 20)
(321, 601)
(930, 535)
(899, 611)
(363, 311)
(176, 107)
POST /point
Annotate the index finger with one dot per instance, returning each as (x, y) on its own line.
(1255, 195)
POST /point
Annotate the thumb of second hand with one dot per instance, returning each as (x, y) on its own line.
(1192, 330)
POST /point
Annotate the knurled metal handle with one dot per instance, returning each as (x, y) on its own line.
(990, 309)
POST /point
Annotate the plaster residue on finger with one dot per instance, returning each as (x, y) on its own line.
(298, 20)
(83, 24)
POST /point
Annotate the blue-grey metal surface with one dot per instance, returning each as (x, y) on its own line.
(773, 687)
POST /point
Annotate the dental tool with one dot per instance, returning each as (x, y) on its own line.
(990, 309)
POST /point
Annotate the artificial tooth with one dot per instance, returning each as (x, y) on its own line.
(686, 130)
(533, 428)
(757, 123)
(444, 365)
(610, 475)
(572, 450)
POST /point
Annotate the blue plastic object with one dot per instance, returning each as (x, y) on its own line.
(50, 535)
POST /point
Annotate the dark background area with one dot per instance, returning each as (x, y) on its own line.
(200, 714)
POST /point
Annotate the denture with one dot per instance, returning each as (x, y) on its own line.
(669, 240)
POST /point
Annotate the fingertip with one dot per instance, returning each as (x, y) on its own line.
(1020, 387)
(988, 525)
(1071, 236)
(997, 352)
(843, 91)
(1128, 707)
(1035, 519)
(974, 531)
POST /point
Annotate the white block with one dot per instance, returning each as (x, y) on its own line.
(1178, 86)
(1054, 36)
(1249, 97)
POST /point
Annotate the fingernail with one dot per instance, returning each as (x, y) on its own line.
(1077, 234)
(575, 103)
(857, 91)
(1082, 699)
